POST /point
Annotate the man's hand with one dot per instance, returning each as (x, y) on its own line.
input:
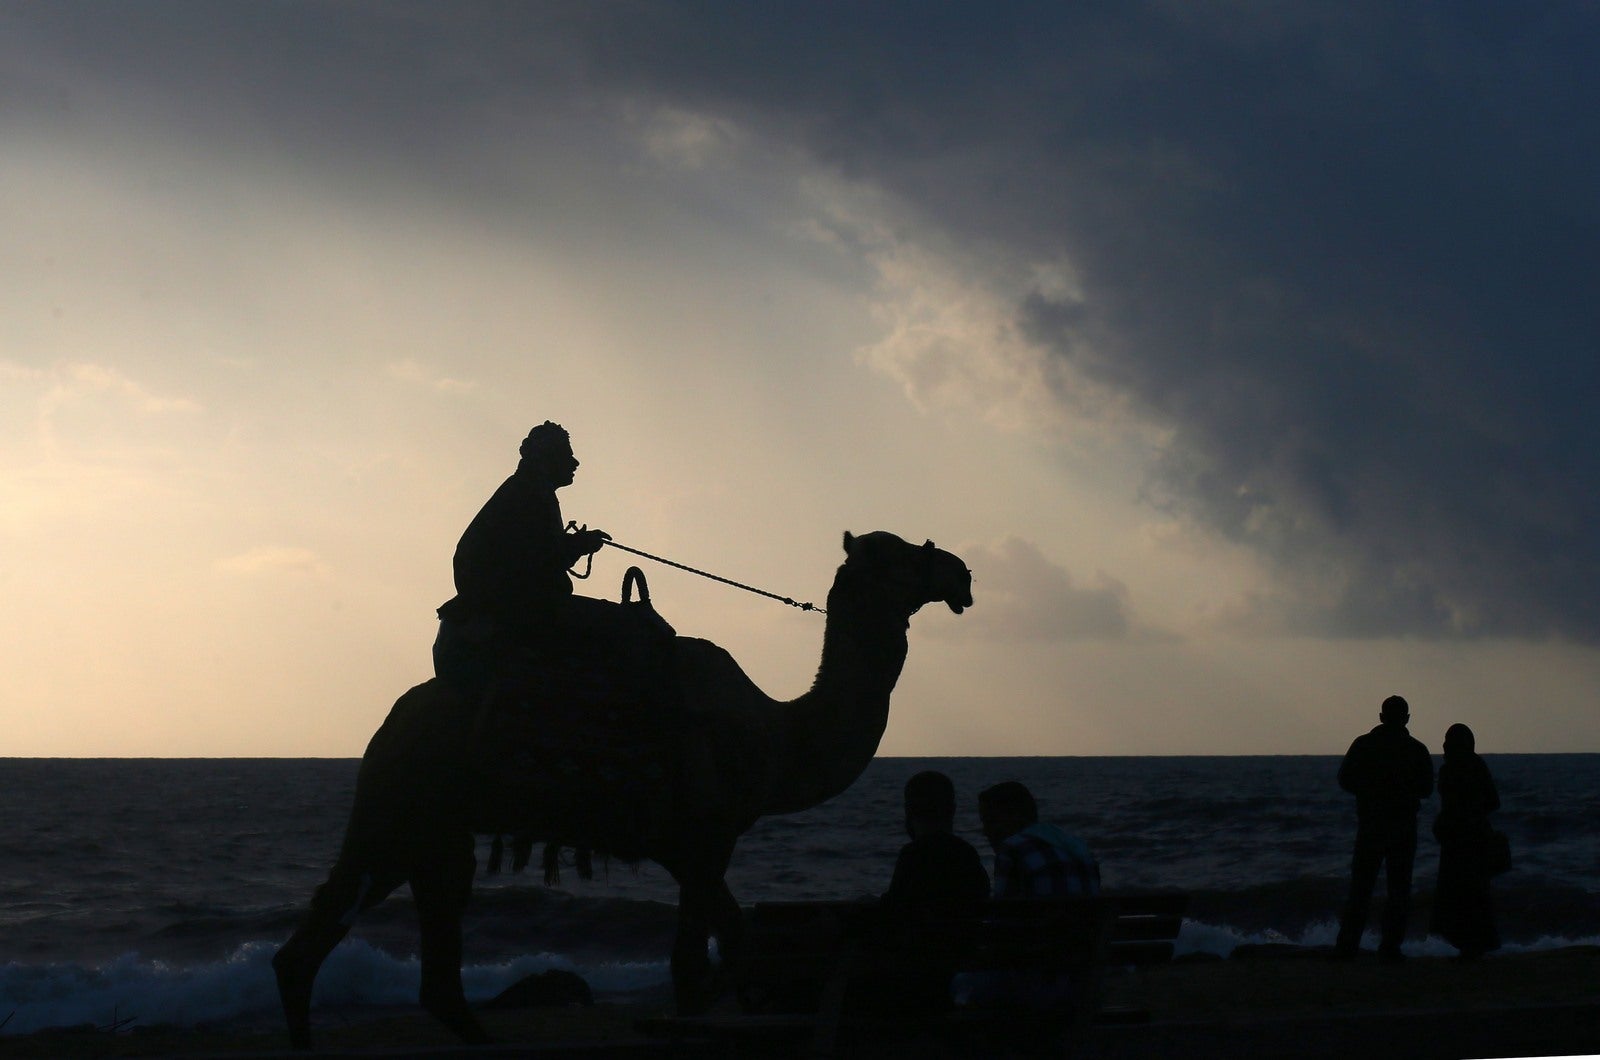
(591, 541)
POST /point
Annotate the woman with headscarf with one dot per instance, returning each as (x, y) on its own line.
(1463, 914)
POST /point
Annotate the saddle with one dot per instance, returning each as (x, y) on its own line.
(585, 724)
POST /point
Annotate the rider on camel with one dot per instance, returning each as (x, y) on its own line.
(512, 585)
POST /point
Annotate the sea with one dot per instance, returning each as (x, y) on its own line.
(153, 892)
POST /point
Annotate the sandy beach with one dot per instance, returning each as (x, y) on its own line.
(1297, 1003)
(1266, 1002)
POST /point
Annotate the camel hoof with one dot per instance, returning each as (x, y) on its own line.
(453, 1011)
(470, 1031)
(694, 1000)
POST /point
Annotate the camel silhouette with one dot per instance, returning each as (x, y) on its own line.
(737, 755)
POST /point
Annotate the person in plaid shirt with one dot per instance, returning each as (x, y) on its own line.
(1032, 859)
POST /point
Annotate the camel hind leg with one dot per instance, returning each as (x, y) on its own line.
(441, 885)
(296, 964)
(372, 862)
(333, 910)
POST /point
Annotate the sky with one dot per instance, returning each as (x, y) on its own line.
(1246, 352)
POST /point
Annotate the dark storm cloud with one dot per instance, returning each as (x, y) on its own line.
(1346, 253)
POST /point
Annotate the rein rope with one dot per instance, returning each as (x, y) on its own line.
(713, 577)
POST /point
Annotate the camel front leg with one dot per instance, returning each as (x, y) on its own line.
(727, 923)
(706, 909)
(691, 961)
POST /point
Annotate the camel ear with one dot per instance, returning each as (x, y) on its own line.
(928, 544)
(849, 540)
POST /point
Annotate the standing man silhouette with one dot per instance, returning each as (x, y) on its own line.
(1389, 772)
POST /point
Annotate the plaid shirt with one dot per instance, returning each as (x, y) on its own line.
(1028, 865)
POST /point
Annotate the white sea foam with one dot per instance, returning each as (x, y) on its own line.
(155, 993)
(1222, 940)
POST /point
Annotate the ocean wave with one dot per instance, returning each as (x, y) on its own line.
(1527, 907)
(1221, 940)
(138, 991)
(133, 990)
(173, 920)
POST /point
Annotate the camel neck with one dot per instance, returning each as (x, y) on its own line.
(830, 734)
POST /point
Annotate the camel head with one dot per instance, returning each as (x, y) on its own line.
(921, 573)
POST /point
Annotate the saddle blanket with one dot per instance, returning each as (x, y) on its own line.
(589, 735)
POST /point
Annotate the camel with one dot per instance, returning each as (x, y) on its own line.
(741, 755)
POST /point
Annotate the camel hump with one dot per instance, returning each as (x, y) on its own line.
(587, 729)
(611, 659)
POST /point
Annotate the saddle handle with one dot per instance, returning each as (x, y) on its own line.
(633, 577)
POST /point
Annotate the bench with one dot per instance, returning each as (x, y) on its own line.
(826, 975)
(1143, 935)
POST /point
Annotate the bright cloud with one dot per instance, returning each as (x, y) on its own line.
(1027, 598)
(412, 372)
(273, 560)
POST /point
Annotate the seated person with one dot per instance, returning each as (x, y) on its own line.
(907, 972)
(937, 865)
(1031, 860)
